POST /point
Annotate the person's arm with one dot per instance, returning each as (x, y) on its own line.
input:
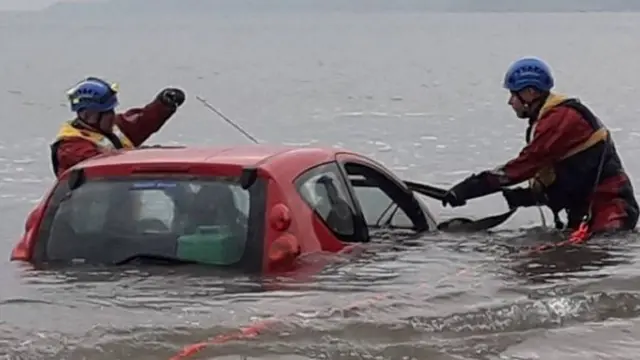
(554, 136)
(138, 124)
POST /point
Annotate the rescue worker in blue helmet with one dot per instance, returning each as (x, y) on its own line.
(97, 128)
(569, 159)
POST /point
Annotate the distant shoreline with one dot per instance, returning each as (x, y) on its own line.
(141, 7)
(43, 12)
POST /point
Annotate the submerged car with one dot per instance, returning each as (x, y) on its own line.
(254, 208)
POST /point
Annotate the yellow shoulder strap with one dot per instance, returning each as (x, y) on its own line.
(596, 137)
(126, 143)
(67, 131)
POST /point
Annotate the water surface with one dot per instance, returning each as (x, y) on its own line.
(418, 91)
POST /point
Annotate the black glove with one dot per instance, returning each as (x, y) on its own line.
(451, 198)
(476, 185)
(172, 97)
(521, 197)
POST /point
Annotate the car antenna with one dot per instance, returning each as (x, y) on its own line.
(232, 123)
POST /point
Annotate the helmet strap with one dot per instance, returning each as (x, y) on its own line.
(536, 104)
(526, 105)
(530, 107)
(82, 122)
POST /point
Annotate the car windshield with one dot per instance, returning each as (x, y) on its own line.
(202, 220)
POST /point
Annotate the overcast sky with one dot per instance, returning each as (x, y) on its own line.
(24, 4)
(30, 4)
(459, 4)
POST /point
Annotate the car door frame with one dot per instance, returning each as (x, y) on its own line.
(412, 206)
(361, 230)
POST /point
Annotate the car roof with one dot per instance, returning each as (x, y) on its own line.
(268, 157)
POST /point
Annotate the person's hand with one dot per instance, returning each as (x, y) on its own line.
(472, 187)
(172, 97)
(452, 199)
(519, 197)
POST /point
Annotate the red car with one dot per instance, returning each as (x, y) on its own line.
(254, 208)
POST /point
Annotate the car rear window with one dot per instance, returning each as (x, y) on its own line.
(204, 220)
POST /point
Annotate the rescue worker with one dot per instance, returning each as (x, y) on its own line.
(569, 159)
(97, 127)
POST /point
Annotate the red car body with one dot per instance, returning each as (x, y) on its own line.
(302, 200)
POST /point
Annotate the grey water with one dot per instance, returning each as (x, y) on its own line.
(417, 89)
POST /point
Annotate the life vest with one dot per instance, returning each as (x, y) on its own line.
(104, 142)
(546, 176)
(568, 183)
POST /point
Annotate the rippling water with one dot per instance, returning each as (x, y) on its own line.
(418, 91)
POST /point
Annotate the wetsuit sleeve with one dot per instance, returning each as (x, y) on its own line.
(72, 151)
(555, 135)
(138, 124)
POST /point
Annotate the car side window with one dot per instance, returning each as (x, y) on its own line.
(377, 207)
(323, 189)
(383, 200)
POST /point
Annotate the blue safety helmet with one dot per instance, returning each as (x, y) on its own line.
(93, 94)
(528, 72)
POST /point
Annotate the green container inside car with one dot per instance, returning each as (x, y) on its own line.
(211, 245)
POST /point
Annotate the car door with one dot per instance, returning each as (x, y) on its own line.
(325, 190)
(382, 198)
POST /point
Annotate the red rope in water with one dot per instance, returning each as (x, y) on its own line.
(578, 237)
(258, 327)
(243, 333)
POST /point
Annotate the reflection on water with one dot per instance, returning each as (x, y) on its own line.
(356, 306)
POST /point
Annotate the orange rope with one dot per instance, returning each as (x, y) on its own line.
(578, 237)
(259, 327)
